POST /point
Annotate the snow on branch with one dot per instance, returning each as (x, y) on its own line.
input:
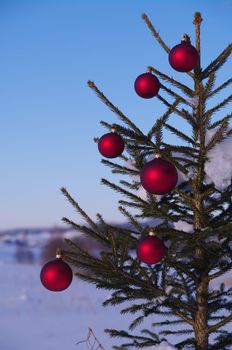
(218, 168)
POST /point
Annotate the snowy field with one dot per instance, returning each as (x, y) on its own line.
(32, 318)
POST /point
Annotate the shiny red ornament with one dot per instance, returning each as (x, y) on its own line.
(56, 275)
(159, 176)
(184, 57)
(147, 85)
(111, 145)
(150, 250)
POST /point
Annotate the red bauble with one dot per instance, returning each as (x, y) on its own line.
(184, 57)
(150, 250)
(56, 275)
(159, 176)
(147, 85)
(111, 145)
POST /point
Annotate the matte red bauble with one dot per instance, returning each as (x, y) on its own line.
(56, 275)
(184, 57)
(150, 250)
(111, 145)
(147, 85)
(159, 176)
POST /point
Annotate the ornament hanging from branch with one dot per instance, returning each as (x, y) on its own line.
(147, 85)
(159, 176)
(150, 249)
(111, 145)
(184, 57)
(56, 275)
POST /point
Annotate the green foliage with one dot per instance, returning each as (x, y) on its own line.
(177, 288)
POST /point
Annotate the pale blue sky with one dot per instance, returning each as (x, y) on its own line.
(49, 49)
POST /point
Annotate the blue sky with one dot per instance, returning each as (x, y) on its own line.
(49, 49)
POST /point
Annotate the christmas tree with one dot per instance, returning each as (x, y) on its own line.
(178, 238)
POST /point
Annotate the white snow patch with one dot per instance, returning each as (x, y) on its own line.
(193, 101)
(164, 345)
(182, 177)
(219, 167)
(159, 300)
(183, 226)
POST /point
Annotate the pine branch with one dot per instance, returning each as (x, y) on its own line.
(124, 231)
(158, 125)
(124, 169)
(113, 108)
(220, 324)
(135, 308)
(179, 332)
(164, 272)
(188, 162)
(197, 22)
(221, 272)
(79, 209)
(131, 218)
(132, 186)
(182, 113)
(211, 111)
(85, 229)
(221, 121)
(210, 84)
(87, 278)
(129, 133)
(179, 133)
(218, 89)
(124, 251)
(223, 342)
(174, 94)
(123, 334)
(183, 269)
(172, 81)
(217, 62)
(123, 191)
(181, 149)
(155, 33)
(183, 316)
(167, 323)
(219, 136)
(136, 322)
(188, 289)
(147, 288)
(152, 210)
(182, 344)
(131, 204)
(134, 148)
(88, 263)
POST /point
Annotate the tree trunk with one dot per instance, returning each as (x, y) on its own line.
(201, 316)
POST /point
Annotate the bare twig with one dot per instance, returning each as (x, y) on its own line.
(91, 342)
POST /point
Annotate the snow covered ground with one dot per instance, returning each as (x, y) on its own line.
(32, 318)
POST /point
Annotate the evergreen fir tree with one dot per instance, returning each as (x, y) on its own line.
(178, 287)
